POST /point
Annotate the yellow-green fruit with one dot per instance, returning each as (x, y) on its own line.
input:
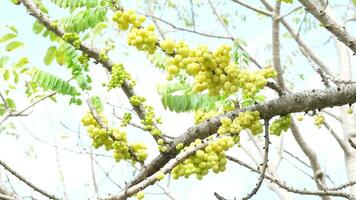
(349, 111)
(159, 175)
(300, 117)
(140, 195)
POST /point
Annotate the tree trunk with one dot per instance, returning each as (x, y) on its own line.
(348, 120)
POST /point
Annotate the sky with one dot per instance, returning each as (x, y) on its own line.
(33, 154)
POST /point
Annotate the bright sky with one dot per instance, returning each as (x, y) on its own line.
(37, 160)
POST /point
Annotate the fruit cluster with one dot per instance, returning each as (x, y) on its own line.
(319, 120)
(113, 139)
(84, 59)
(140, 150)
(72, 38)
(126, 119)
(118, 76)
(99, 134)
(127, 17)
(161, 146)
(212, 157)
(200, 116)
(245, 120)
(144, 39)
(213, 71)
(281, 124)
(137, 100)
(103, 56)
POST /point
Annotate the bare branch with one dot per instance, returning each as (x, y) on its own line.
(264, 164)
(276, 57)
(337, 138)
(31, 185)
(352, 143)
(282, 184)
(330, 24)
(295, 37)
(7, 197)
(260, 11)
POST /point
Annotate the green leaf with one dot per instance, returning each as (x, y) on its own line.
(354, 1)
(22, 62)
(7, 37)
(37, 27)
(14, 45)
(3, 61)
(50, 55)
(6, 74)
(52, 82)
(74, 4)
(10, 103)
(12, 28)
(97, 103)
(83, 20)
(16, 76)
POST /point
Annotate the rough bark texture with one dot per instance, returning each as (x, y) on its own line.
(336, 29)
(291, 103)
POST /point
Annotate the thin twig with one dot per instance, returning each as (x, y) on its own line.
(24, 180)
(283, 185)
(264, 164)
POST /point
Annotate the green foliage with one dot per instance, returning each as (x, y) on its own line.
(50, 55)
(239, 55)
(14, 45)
(159, 59)
(287, 1)
(67, 55)
(179, 97)
(51, 82)
(74, 4)
(97, 103)
(83, 20)
(38, 28)
(7, 37)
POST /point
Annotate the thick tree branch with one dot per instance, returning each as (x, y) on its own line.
(330, 24)
(153, 178)
(290, 103)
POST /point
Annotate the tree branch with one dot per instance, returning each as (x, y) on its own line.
(306, 51)
(90, 51)
(330, 24)
(337, 138)
(282, 184)
(290, 103)
(264, 166)
(21, 178)
(165, 169)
